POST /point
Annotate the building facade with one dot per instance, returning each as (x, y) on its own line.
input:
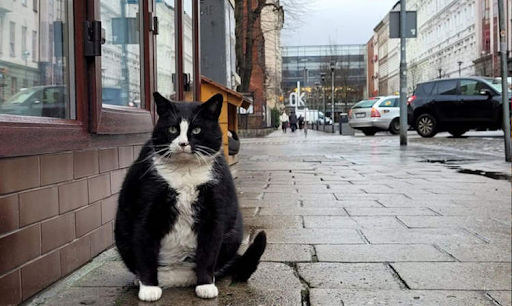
(307, 63)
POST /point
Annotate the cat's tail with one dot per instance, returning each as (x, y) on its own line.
(246, 264)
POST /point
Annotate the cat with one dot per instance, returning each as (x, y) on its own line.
(178, 221)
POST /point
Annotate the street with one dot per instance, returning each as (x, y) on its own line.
(354, 220)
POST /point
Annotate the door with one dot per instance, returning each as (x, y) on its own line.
(476, 107)
(446, 105)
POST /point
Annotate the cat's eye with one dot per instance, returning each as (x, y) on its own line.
(173, 130)
(196, 131)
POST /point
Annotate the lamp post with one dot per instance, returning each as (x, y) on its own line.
(460, 64)
(318, 87)
(440, 72)
(322, 76)
(333, 65)
(25, 54)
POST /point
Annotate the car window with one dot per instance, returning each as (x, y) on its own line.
(470, 87)
(365, 104)
(447, 88)
(388, 103)
(424, 89)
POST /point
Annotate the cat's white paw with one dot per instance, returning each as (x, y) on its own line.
(208, 291)
(149, 293)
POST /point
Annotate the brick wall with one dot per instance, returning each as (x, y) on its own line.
(56, 214)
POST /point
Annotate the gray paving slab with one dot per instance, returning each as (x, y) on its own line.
(384, 211)
(286, 203)
(367, 196)
(288, 253)
(380, 253)
(504, 298)
(273, 222)
(322, 204)
(449, 221)
(275, 196)
(87, 296)
(302, 211)
(500, 252)
(379, 222)
(431, 235)
(110, 274)
(331, 297)
(314, 236)
(248, 211)
(347, 275)
(330, 222)
(455, 275)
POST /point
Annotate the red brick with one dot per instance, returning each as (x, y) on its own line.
(85, 163)
(9, 214)
(10, 290)
(56, 168)
(101, 239)
(75, 254)
(19, 173)
(99, 187)
(109, 209)
(125, 157)
(73, 196)
(19, 247)
(57, 232)
(40, 273)
(117, 179)
(109, 159)
(88, 219)
(38, 205)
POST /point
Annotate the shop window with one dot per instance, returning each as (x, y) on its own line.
(188, 50)
(121, 53)
(51, 69)
(166, 50)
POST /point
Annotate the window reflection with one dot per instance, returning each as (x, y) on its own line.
(165, 49)
(188, 51)
(35, 58)
(121, 53)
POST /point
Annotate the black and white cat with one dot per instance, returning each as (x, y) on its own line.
(178, 222)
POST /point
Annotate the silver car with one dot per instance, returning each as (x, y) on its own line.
(376, 114)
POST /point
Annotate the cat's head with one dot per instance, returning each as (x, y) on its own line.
(187, 131)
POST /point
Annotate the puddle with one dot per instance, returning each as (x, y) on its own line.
(493, 175)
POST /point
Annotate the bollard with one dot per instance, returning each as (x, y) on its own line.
(340, 126)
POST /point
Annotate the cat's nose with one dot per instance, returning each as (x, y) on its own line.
(183, 144)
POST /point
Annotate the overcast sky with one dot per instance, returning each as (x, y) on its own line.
(343, 21)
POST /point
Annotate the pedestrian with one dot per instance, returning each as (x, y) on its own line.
(284, 121)
(293, 121)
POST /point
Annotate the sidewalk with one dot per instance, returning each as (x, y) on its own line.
(350, 221)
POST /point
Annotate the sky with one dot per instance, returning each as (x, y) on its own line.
(339, 21)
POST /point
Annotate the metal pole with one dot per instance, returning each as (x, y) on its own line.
(323, 98)
(332, 98)
(504, 82)
(403, 77)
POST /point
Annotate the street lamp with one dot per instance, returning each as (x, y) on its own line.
(318, 87)
(322, 76)
(460, 63)
(333, 65)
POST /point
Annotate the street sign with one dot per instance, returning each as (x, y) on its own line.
(410, 25)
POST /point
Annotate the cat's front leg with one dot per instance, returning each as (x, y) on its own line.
(146, 256)
(209, 241)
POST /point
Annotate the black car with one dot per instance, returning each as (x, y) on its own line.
(455, 105)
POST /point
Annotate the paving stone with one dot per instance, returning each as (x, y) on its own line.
(455, 276)
(269, 196)
(380, 253)
(287, 253)
(110, 274)
(322, 204)
(431, 235)
(87, 296)
(273, 222)
(313, 189)
(479, 252)
(366, 196)
(504, 298)
(346, 189)
(347, 275)
(250, 195)
(448, 221)
(261, 203)
(282, 188)
(248, 211)
(302, 211)
(378, 222)
(384, 211)
(328, 297)
(314, 236)
(330, 222)
(492, 234)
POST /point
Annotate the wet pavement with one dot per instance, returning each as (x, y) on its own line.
(353, 221)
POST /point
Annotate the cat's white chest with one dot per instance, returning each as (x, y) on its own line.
(178, 247)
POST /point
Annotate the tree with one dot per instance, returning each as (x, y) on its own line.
(248, 30)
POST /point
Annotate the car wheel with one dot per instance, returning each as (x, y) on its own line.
(457, 133)
(369, 132)
(394, 127)
(426, 125)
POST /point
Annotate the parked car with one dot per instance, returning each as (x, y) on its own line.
(41, 101)
(376, 114)
(455, 105)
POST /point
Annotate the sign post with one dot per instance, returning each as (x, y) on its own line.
(505, 101)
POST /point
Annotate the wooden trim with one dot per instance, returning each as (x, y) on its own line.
(180, 95)
(197, 50)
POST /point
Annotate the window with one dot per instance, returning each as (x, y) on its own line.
(447, 88)
(389, 103)
(165, 50)
(24, 51)
(12, 38)
(24, 2)
(471, 87)
(34, 46)
(35, 6)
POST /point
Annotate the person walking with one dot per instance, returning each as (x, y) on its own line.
(293, 121)
(284, 121)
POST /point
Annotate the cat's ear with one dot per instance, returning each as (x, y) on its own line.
(162, 104)
(213, 106)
